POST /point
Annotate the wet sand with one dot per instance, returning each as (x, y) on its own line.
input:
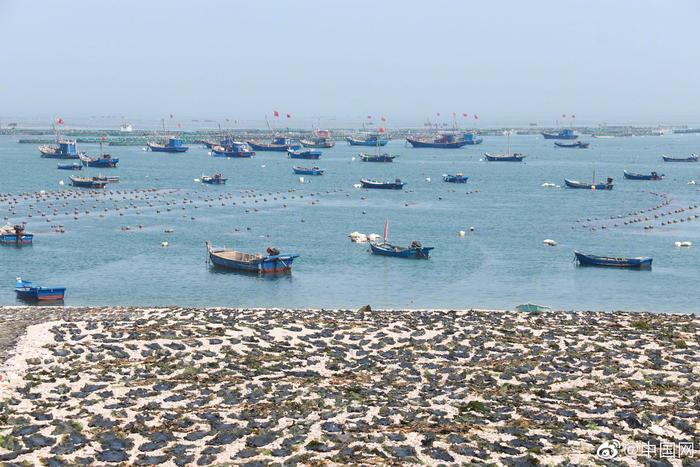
(181, 386)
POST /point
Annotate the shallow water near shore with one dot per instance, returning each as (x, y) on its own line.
(502, 263)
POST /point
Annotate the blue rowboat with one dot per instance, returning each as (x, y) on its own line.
(577, 144)
(395, 185)
(640, 262)
(414, 251)
(65, 150)
(608, 185)
(232, 149)
(368, 140)
(14, 235)
(308, 170)
(456, 178)
(377, 157)
(303, 154)
(84, 182)
(651, 176)
(27, 291)
(216, 179)
(74, 166)
(691, 158)
(563, 134)
(271, 263)
(515, 157)
(173, 145)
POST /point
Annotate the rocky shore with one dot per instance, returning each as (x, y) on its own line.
(179, 386)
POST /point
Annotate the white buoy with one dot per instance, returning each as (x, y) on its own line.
(549, 185)
(353, 158)
(164, 244)
(472, 229)
(301, 179)
(60, 182)
(462, 233)
(263, 166)
(357, 185)
(692, 182)
(549, 242)
(427, 179)
(683, 244)
(196, 180)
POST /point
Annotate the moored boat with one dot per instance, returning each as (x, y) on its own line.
(216, 179)
(515, 157)
(691, 158)
(445, 141)
(105, 161)
(321, 140)
(456, 178)
(577, 144)
(377, 157)
(106, 178)
(640, 262)
(15, 235)
(566, 133)
(173, 144)
(273, 262)
(28, 291)
(531, 307)
(369, 139)
(303, 154)
(74, 166)
(232, 149)
(308, 170)
(395, 185)
(87, 182)
(278, 144)
(608, 185)
(66, 149)
(415, 250)
(651, 176)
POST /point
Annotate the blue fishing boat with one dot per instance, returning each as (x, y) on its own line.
(216, 179)
(607, 185)
(85, 182)
(640, 262)
(303, 154)
(377, 157)
(65, 149)
(105, 161)
(308, 170)
(691, 158)
(456, 178)
(272, 263)
(415, 250)
(395, 185)
(445, 141)
(278, 144)
(651, 176)
(515, 157)
(106, 178)
(321, 140)
(27, 291)
(369, 139)
(15, 235)
(566, 133)
(232, 149)
(74, 166)
(173, 144)
(577, 144)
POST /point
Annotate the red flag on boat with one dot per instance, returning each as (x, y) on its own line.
(60, 121)
(386, 230)
(289, 115)
(104, 138)
(382, 130)
(276, 113)
(369, 117)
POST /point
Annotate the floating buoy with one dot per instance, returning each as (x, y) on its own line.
(357, 185)
(196, 180)
(60, 182)
(427, 179)
(692, 182)
(549, 242)
(263, 166)
(549, 185)
(683, 244)
(301, 179)
(462, 233)
(472, 229)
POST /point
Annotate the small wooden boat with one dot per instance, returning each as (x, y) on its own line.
(456, 178)
(608, 185)
(273, 262)
(232, 149)
(303, 154)
(395, 185)
(367, 140)
(577, 144)
(74, 166)
(308, 170)
(15, 235)
(640, 262)
(65, 150)
(172, 145)
(691, 158)
(651, 176)
(27, 291)
(566, 133)
(377, 157)
(85, 182)
(216, 179)
(415, 250)
(445, 141)
(531, 307)
(515, 157)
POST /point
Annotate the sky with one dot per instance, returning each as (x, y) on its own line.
(335, 62)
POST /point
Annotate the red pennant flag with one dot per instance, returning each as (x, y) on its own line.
(289, 115)
(369, 117)
(382, 130)
(104, 138)
(60, 121)
(386, 230)
(465, 115)
(276, 113)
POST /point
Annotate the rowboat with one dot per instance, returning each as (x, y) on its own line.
(65, 150)
(85, 182)
(691, 158)
(308, 170)
(395, 185)
(232, 149)
(566, 133)
(377, 157)
(303, 154)
(273, 262)
(216, 179)
(608, 185)
(415, 250)
(515, 157)
(14, 235)
(651, 176)
(172, 145)
(456, 178)
(577, 144)
(27, 291)
(640, 262)
(74, 166)
(531, 307)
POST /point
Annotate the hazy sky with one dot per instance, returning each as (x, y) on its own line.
(507, 61)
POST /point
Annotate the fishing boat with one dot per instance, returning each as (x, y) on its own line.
(691, 158)
(531, 307)
(415, 250)
(651, 176)
(105, 161)
(85, 182)
(278, 144)
(272, 262)
(173, 144)
(566, 133)
(308, 170)
(66, 149)
(369, 139)
(515, 157)
(377, 157)
(216, 179)
(28, 291)
(15, 235)
(395, 185)
(74, 166)
(106, 178)
(456, 178)
(640, 262)
(445, 141)
(303, 154)
(608, 185)
(321, 140)
(232, 149)
(577, 144)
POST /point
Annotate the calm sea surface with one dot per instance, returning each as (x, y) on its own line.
(499, 265)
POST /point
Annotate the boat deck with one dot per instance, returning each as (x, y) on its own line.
(237, 255)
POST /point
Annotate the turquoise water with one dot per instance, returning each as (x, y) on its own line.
(500, 264)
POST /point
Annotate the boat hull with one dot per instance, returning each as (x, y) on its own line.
(70, 167)
(317, 145)
(681, 159)
(161, 148)
(633, 176)
(233, 154)
(512, 158)
(103, 164)
(560, 136)
(265, 265)
(304, 155)
(643, 262)
(372, 143)
(577, 145)
(14, 239)
(382, 185)
(455, 179)
(587, 186)
(41, 294)
(87, 183)
(48, 155)
(304, 171)
(377, 158)
(416, 143)
(385, 249)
